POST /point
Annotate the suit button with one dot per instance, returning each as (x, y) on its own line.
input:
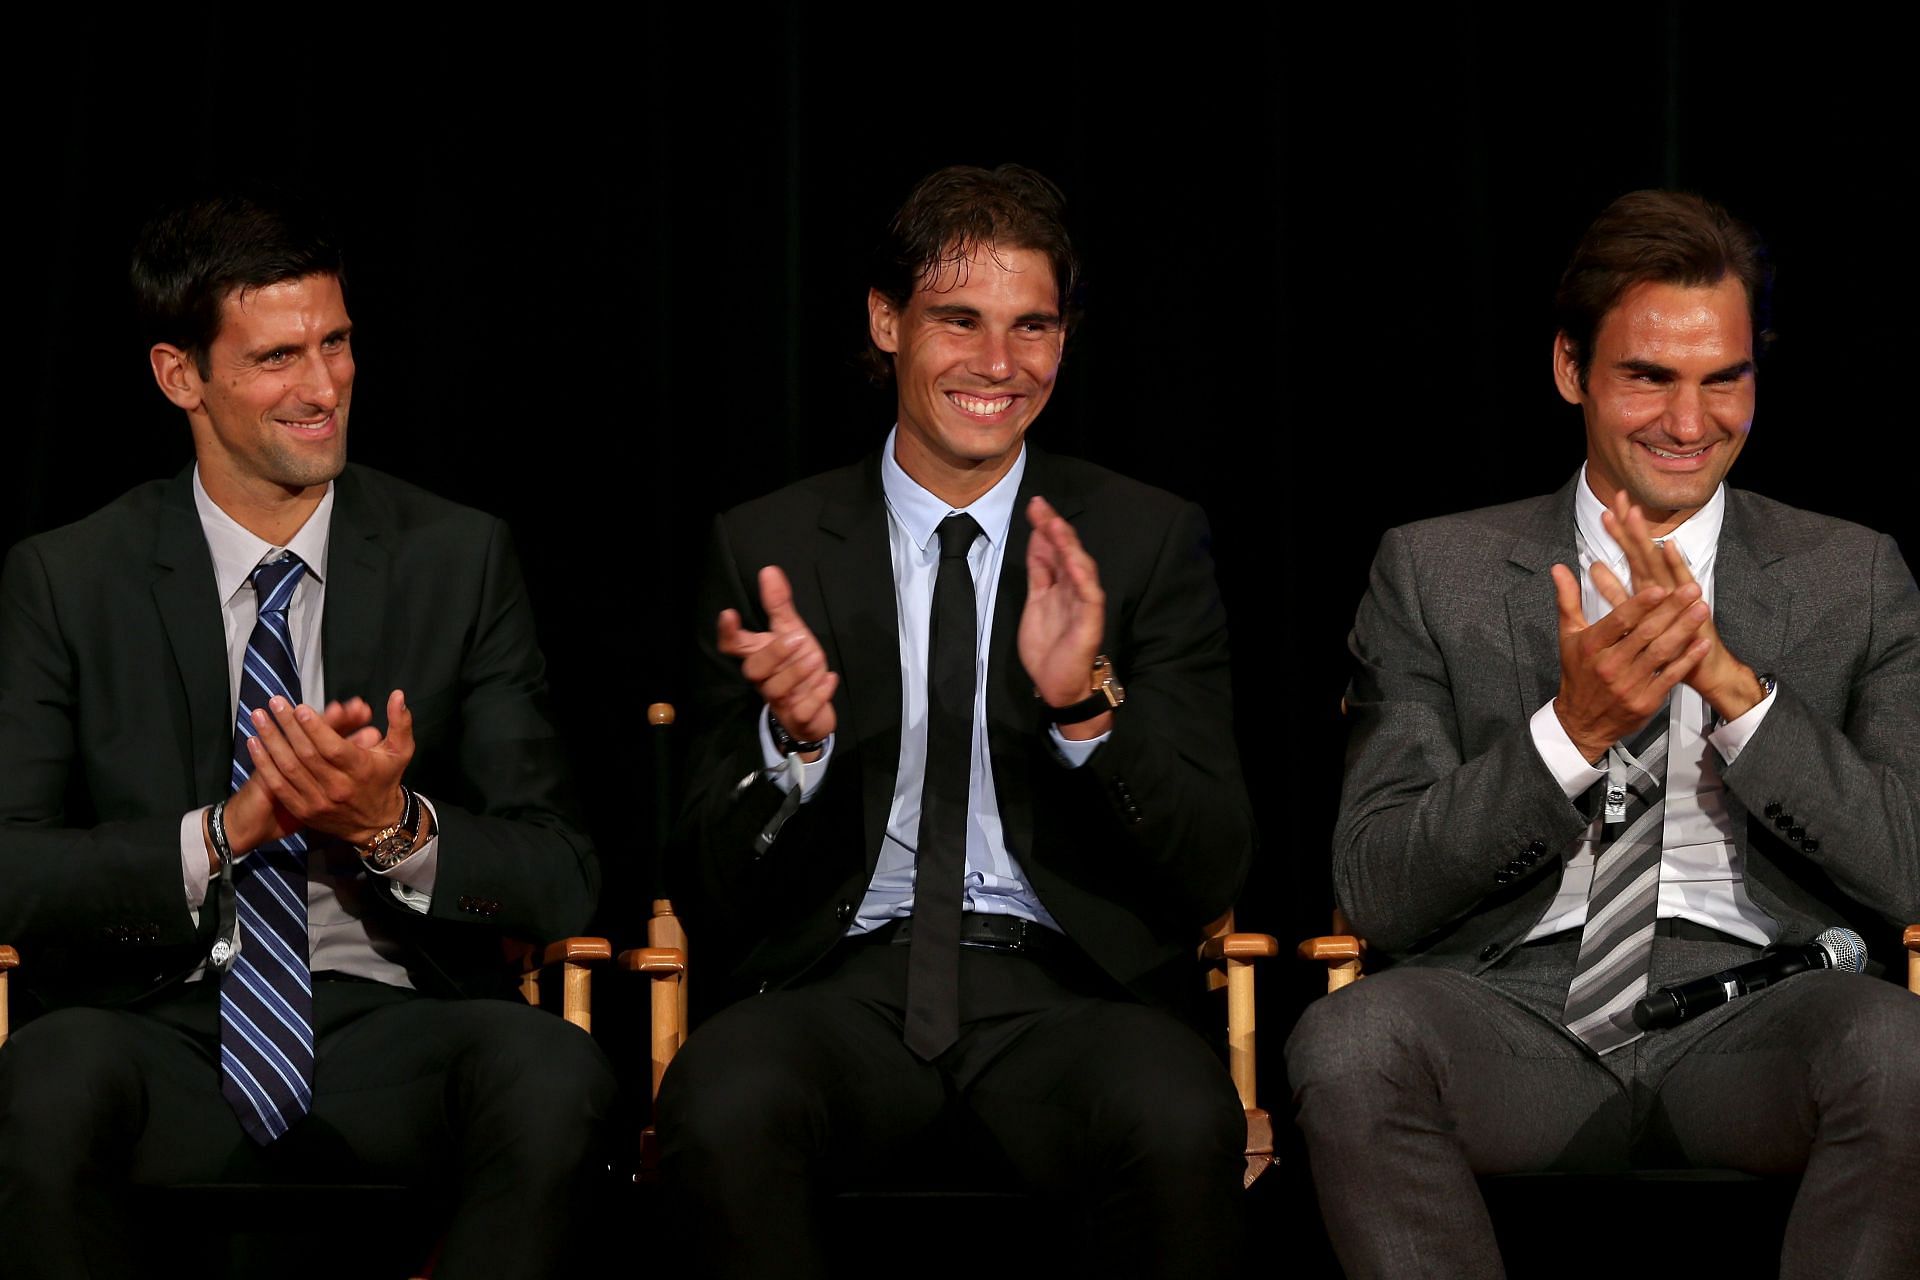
(1783, 820)
(1796, 834)
(1810, 846)
(1773, 809)
(1489, 951)
(843, 912)
(1537, 848)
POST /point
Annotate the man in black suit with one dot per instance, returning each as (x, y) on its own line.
(917, 675)
(137, 807)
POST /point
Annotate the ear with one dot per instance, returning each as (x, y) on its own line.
(178, 376)
(883, 322)
(1566, 369)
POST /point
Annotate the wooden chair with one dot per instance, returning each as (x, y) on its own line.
(1227, 957)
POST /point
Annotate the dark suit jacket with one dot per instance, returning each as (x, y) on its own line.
(116, 719)
(1133, 853)
(1456, 645)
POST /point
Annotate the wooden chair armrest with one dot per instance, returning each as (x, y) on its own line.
(1240, 946)
(667, 969)
(9, 959)
(1340, 952)
(1333, 947)
(573, 955)
(1912, 940)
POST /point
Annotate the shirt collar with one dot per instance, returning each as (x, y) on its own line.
(1698, 538)
(237, 552)
(920, 512)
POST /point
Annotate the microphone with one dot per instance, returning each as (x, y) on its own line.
(1837, 948)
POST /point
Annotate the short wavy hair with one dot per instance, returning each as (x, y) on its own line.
(1662, 237)
(950, 215)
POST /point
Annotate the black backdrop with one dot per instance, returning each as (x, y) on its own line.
(606, 280)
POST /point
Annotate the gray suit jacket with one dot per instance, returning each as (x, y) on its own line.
(1451, 832)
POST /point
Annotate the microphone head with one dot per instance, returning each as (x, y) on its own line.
(1846, 950)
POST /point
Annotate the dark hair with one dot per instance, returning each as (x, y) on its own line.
(952, 214)
(1663, 237)
(193, 254)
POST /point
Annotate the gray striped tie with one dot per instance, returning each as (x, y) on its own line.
(1623, 903)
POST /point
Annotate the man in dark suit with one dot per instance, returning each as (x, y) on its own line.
(254, 929)
(969, 664)
(1607, 740)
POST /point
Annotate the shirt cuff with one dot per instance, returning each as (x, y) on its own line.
(195, 874)
(1563, 760)
(411, 879)
(1075, 751)
(816, 770)
(1731, 738)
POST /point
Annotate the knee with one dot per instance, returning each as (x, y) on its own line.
(66, 1081)
(1872, 1053)
(1357, 1031)
(535, 1083)
(724, 1092)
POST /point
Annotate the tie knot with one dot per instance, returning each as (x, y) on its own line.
(274, 581)
(957, 533)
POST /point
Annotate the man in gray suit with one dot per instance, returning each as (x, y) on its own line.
(1614, 738)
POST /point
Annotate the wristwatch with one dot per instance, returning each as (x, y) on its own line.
(1107, 694)
(389, 846)
(785, 743)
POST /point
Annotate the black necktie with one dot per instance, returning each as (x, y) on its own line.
(939, 864)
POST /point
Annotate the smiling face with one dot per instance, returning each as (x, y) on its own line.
(975, 353)
(269, 417)
(1668, 399)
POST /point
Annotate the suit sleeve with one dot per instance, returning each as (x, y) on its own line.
(61, 878)
(1853, 788)
(1168, 780)
(1423, 830)
(510, 856)
(729, 801)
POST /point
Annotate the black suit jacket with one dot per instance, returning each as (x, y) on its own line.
(116, 719)
(1133, 853)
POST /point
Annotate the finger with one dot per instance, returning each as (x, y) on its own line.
(1677, 567)
(1039, 511)
(1042, 561)
(1622, 619)
(1664, 648)
(1681, 667)
(776, 598)
(329, 744)
(771, 652)
(365, 737)
(275, 764)
(1608, 584)
(1566, 594)
(735, 640)
(399, 725)
(802, 712)
(1630, 648)
(791, 674)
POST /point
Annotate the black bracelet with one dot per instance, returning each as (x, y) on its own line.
(217, 832)
(785, 743)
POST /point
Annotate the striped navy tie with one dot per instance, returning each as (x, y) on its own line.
(1616, 943)
(266, 999)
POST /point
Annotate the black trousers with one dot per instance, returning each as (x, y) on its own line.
(1117, 1113)
(1414, 1081)
(494, 1108)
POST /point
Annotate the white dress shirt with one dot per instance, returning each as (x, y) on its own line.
(1701, 876)
(342, 934)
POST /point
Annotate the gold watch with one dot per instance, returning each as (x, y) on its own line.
(389, 846)
(1106, 694)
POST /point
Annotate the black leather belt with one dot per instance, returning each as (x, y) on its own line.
(1675, 927)
(982, 932)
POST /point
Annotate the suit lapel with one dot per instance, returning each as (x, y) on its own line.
(1533, 615)
(358, 565)
(188, 602)
(855, 577)
(1749, 606)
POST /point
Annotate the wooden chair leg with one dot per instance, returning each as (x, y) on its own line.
(9, 959)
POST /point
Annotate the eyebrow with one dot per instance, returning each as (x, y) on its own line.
(949, 310)
(258, 353)
(1738, 369)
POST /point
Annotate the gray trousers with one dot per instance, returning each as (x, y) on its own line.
(1412, 1082)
